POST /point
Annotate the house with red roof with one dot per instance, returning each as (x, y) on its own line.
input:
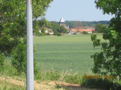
(80, 30)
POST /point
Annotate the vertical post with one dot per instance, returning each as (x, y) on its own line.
(30, 65)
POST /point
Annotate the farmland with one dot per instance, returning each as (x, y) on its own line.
(65, 53)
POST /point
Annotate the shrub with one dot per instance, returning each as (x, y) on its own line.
(100, 84)
(19, 58)
(57, 33)
(52, 75)
(84, 32)
(76, 79)
(2, 60)
(42, 34)
(75, 33)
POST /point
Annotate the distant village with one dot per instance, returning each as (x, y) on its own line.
(70, 31)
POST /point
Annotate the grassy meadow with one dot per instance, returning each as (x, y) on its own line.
(65, 53)
(69, 56)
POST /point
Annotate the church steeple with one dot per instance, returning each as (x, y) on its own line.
(62, 22)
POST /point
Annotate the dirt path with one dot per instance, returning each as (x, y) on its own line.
(46, 85)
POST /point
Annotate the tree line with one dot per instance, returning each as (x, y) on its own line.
(86, 23)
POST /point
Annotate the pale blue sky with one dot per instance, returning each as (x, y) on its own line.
(75, 10)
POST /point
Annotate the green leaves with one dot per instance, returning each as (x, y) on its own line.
(112, 50)
(19, 58)
(96, 42)
(13, 21)
(2, 60)
(93, 37)
(104, 46)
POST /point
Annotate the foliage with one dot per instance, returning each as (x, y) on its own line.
(19, 58)
(86, 23)
(39, 23)
(108, 60)
(61, 29)
(105, 84)
(13, 22)
(84, 32)
(54, 25)
(77, 24)
(76, 79)
(57, 33)
(42, 34)
(101, 28)
(75, 33)
(96, 42)
(52, 75)
(2, 60)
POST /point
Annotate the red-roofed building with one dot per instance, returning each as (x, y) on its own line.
(81, 30)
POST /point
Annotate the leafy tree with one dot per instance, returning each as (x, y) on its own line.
(84, 32)
(86, 23)
(61, 29)
(13, 28)
(56, 28)
(100, 28)
(40, 23)
(77, 24)
(54, 25)
(2, 60)
(70, 24)
(75, 33)
(108, 61)
(13, 21)
(19, 58)
(57, 33)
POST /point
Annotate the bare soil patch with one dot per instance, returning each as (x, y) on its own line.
(45, 85)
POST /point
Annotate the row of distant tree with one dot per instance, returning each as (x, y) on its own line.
(100, 26)
(86, 23)
(73, 24)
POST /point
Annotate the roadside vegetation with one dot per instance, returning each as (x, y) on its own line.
(60, 69)
(67, 58)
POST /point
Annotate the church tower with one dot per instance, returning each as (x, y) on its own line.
(62, 22)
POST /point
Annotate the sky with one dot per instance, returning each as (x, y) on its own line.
(72, 10)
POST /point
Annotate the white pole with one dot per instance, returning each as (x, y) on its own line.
(30, 65)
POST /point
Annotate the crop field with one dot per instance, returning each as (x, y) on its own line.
(65, 53)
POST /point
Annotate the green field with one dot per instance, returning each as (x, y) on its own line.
(65, 53)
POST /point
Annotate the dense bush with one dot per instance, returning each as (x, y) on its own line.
(57, 33)
(42, 34)
(76, 79)
(19, 58)
(84, 32)
(2, 59)
(75, 33)
(103, 84)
